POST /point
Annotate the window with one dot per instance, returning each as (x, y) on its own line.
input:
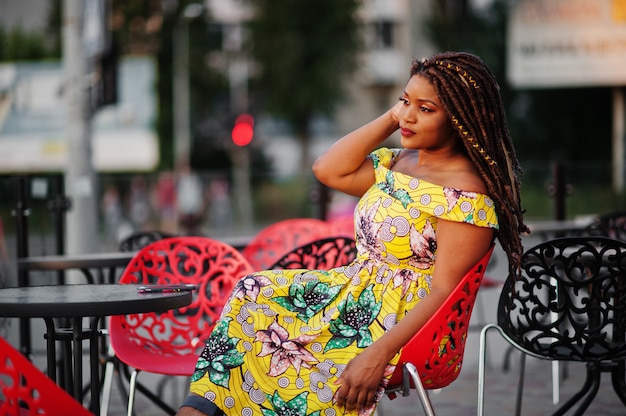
(382, 34)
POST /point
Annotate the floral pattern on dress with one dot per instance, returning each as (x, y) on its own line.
(219, 356)
(285, 352)
(285, 336)
(352, 324)
(308, 298)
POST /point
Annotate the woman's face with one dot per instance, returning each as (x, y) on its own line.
(424, 122)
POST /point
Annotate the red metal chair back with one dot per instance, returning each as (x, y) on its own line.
(24, 390)
(341, 226)
(277, 239)
(437, 348)
(169, 342)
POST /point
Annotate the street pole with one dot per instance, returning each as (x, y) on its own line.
(238, 82)
(619, 136)
(80, 182)
(182, 130)
(182, 135)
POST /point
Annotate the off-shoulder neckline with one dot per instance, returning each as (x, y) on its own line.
(429, 182)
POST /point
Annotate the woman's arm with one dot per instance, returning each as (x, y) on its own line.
(189, 411)
(459, 247)
(344, 166)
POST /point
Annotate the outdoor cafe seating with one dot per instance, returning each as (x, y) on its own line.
(322, 254)
(568, 305)
(26, 391)
(403, 370)
(433, 357)
(169, 343)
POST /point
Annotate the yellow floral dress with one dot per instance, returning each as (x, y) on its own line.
(285, 335)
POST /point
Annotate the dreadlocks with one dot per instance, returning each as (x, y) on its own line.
(471, 95)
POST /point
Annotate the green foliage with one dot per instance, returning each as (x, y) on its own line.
(19, 45)
(305, 51)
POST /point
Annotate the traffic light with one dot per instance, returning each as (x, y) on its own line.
(244, 130)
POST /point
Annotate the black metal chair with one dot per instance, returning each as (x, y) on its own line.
(568, 305)
(611, 224)
(139, 239)
(322, 254)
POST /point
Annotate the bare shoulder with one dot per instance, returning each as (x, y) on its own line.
(466, 180)
(458, 172)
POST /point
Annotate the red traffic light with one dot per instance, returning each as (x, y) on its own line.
(244, 130)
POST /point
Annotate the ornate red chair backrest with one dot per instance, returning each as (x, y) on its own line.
(277, 239)
(437, 348)
(24, 390)
(341, 226)
(215, 267)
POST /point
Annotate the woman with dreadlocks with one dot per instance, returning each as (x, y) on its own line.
(312, 342)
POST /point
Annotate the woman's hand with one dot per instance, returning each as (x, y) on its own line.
(345, 166)
(360, 380)
(395, 111)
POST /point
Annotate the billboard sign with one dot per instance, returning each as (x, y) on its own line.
(567, 43)
(33, 119)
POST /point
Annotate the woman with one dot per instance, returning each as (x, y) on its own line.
(324, 342)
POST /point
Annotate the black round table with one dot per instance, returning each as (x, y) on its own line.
(83, 301)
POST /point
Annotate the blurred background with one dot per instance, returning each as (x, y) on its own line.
(203, 117)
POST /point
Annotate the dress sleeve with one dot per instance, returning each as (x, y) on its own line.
(470, 207)
(384, 157)
(456, 205)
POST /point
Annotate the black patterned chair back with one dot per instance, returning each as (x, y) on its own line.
(322, 254)
(612, 225)
(138, 240)
(570, 303)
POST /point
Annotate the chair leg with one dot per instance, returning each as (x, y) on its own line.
(410, 370)
(131, 392)
(136, 385)
(111, 368)
(482, 358)
(520, 384)
(107, 383)
(619, 384)
(556, 378)
(588, 391)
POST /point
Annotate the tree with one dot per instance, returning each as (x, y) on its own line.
(305, 51)
(18, 45)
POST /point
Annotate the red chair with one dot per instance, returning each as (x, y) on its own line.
(275, 240)
(432, 358)
(323, 254)
(341, 226)
(169, 343)
(24, 390)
